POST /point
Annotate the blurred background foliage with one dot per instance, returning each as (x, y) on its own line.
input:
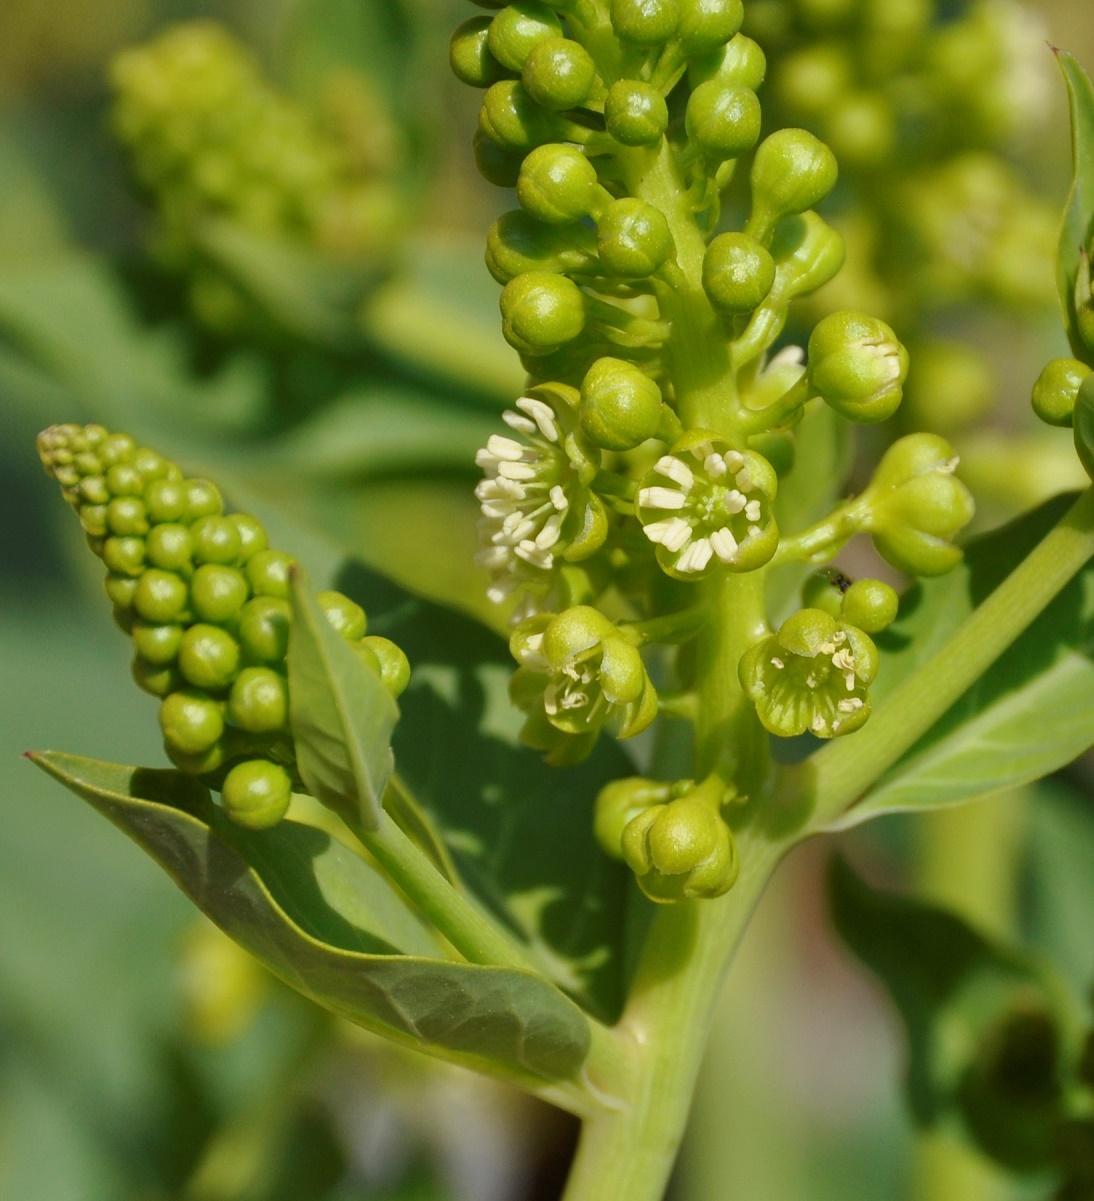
(337, 354)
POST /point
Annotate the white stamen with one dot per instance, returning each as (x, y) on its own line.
(733, 501)
(504, 448)
(752, 510)
(675, 470)
(851, 705)
(849, 680)
(658, 531)
(661, 498)
(558, 498)
(516, 471)
(733, 459)
(541, 414)
(811, 680)
(777, 662)
(549, 535)
(843, 660)
(744, 479)
(818, 724)
(715, 466)
(725, 545)
(516, 422)
(696, 557)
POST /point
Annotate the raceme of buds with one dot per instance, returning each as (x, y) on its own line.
(813, 676)
(205, 601)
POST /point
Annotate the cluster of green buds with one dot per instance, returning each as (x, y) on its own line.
(209, 139)
(641, 468)
(205, 600)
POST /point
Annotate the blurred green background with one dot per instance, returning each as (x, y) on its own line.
(141, 1057)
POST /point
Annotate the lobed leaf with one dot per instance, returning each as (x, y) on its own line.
(1078, 222)
(326, 923)
(342, 716)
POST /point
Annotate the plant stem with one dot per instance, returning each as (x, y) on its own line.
(839, 775)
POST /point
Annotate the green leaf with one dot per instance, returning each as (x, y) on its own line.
(520, 832)
(1078, 222)
(1031, 713)
(987, 1031)
(342, 716)
(512, 1022)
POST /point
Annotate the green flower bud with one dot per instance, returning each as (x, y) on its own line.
(824, 590)
(165, 500)
(256, 794)
(557, 184)
(633, 239)
(681, 851)
(216, 540)
(738, 273)
(169, 546)
(122, 589)
(808, 253)
(218, 593)
(124, 556)
(858, 366)
(123, 479)
(470, 57)
(707, 24)
(635, 113)
(518, 29)
(620, 406)
(708, 507)
(559, 74)
(619, 803)
(391, 662)
(208, 657)
(125, 516)
(344, 615)
(160, 596)
(871, 605)
(268, 573)
(813, 675)
(722, 121)
(496, 165)
(645, 22)
(252, 537)
(203, 499)
(511, 118)
(156, 679)
(917, 505)
(259, 701)
(264, 625)
(517, 243)
(1057, 389)
(541, 311)
(740, 63)
(157, 644)
(792, 171)
(191, 721)
(116, 448)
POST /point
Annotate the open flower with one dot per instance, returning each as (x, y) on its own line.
(814, 675)
(707, 506)
(538, 509)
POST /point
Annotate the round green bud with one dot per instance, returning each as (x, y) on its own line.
(620, 406)
(619, 803)
(124, 556)
(93, 489)
(116, 448)
(252, 536)
(157, 644)
(633, 239)
(740, 62)
(218, 593)
(259, 701)
(812, 80)
(808, 253)
(518, 29)
(170, 547)
(861, 130)
(1057, 389)
(722, 121)
(871, 605)
(635, 113)
(738, 273)
(191, 721)
(123, 479)
(165, 500)
(511, 119)
(824, 590)
(707, 24)
(497, 166)
(208, 657)
(557, 184)
(392, 663)
(518, 243)
(559, 74)
(160, 596)
(153, 466)
(95, 520)
(216, 540)
(541, 311)
(572, 633)
(268, 573)
(470, 57)
(121, 589)
(155, 679)
(264, 625)
(858, 366)
(344, 615)
(203, 499)
(126, 516)
(793, 171)
(256, 794)
(681, 850)
(645, 22)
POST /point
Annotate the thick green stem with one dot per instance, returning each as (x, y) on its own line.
(841, 773)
